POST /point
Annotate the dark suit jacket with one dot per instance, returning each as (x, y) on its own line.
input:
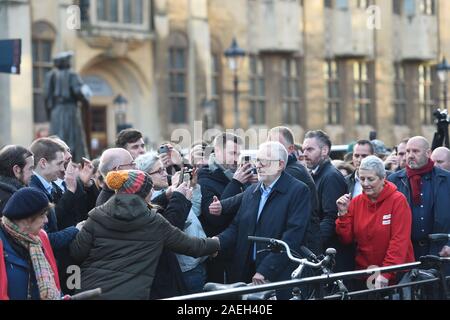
(58, 239)
(215, 183)
(285, 216)
(331, 186)
(298, 171)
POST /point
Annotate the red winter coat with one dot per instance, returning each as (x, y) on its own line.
(381, 229)
(48, 252)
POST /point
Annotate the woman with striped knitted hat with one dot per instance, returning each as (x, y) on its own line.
(120, 244)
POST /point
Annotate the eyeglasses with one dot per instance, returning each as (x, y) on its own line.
(159, 171)
(265, 162)
(356, 155)
(131, 165)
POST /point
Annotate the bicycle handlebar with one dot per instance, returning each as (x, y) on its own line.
(439, 236)
(302, 262)
(261, 239)
(308, 254)
(86, 295)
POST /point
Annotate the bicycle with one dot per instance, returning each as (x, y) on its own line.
(431, 269)
(324, 263)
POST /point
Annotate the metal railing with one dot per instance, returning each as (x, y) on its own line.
(322, 279)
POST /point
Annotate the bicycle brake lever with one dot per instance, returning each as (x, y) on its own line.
(297, 272)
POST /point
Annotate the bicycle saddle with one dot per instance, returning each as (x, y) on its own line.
(212, 286)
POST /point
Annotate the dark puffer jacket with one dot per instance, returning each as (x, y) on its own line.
(119, 247)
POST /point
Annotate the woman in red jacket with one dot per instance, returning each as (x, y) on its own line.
(378, 220)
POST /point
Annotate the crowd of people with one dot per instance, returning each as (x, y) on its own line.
(159, 223)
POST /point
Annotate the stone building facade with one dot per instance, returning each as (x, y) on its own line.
(345, 66)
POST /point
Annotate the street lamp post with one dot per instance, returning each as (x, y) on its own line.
(441, 136)
(442, 70)
(234, 55)
(120, 109)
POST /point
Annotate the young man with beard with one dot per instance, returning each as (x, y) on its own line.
(330, 184)
(221, 179)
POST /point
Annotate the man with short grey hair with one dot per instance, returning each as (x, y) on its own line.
(277, 207)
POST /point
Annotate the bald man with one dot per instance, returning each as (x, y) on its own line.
(426, 188)
(441, 158)
(113, 159)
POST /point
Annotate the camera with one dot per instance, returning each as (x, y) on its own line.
(163, 149)
(441, 116)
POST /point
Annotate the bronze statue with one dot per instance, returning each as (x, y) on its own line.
(63, 90)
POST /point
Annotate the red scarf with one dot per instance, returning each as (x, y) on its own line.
(415, 177)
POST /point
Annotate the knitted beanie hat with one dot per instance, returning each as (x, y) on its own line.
(130, 181)
(25, 203)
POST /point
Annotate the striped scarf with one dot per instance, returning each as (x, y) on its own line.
(42, 269)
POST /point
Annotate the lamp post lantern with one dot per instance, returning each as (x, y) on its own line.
(442, 71)
(120, 109)
(235, 55)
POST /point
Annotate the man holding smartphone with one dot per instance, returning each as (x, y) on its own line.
(220, 179)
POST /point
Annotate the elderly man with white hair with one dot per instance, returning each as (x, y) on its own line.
(278, 206)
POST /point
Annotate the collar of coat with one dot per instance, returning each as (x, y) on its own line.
(435, 172)
(10, 184)
(322, 165)
(281, 186)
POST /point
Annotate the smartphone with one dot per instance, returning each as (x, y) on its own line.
(187, 178)
(394, 150)
(163, 149)
(180, 181)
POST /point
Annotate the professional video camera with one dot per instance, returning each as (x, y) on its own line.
(441, 115)
(441, 135)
